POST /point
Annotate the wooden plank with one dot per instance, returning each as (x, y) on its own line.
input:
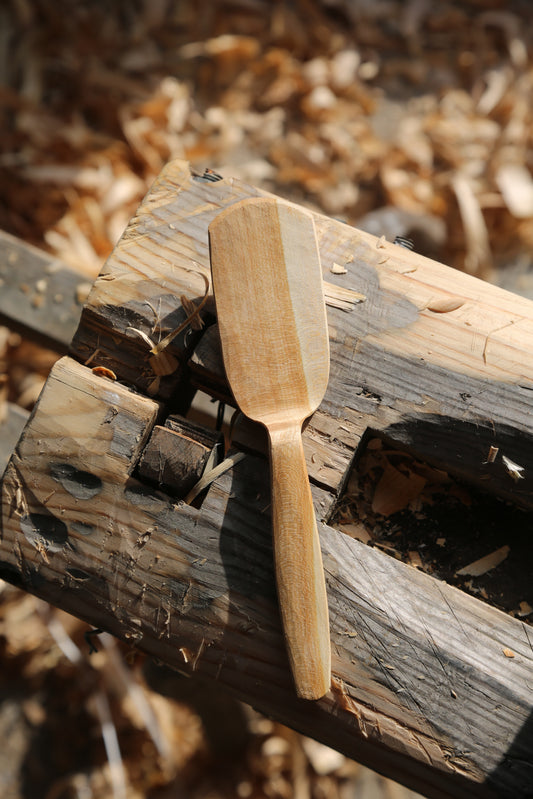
(11, 427)
(422, 687)
(40, 297)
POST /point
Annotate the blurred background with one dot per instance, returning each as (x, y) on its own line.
(402, 117)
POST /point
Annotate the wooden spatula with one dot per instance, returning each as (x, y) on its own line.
(267, 283)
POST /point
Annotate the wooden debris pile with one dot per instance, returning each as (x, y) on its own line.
(82, 723)
(425, 107)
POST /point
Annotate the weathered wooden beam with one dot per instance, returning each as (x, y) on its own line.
(416, 348)
(40, 297)
(422, 687)
(431, 359)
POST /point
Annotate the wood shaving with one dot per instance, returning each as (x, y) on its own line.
(492, 454)
(340, 297)
(194, 314)
(486, 563)
(191, 309)
(525, 609)
(478, 255)
(209, 477)
(514, 470)
(516, 185)
(103, 371)
(147, 340)
(415, 560)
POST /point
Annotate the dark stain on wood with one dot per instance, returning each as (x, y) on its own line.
(44, 531)
(79, 483)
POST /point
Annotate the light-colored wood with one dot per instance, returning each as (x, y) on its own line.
(298, 561)
(267, 283)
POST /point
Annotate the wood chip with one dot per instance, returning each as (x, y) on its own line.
(415, 559)
(525, 609)
(103, 371)
(516, 185)
(492, 453)
(355, 530)
(486, 563)
(323, 759)
(395, 490)
(445, 304)
(514, 470)
(340, 297)
(337, 269)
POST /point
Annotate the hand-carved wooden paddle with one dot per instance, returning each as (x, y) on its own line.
(267, 283)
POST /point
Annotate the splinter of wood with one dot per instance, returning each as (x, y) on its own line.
(267, 282)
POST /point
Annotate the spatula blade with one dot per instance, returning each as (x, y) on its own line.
(267, 282)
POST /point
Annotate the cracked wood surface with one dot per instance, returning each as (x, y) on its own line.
(431, 359)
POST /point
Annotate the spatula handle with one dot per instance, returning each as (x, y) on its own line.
(298, 562)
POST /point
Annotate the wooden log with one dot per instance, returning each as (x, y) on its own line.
(416, 349)
(424, 687)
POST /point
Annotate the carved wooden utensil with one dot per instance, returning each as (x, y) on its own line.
(267, 282)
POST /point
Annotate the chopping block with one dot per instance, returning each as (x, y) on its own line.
(104, 516)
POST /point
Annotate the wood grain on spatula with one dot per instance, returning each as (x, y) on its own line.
(267, 282)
